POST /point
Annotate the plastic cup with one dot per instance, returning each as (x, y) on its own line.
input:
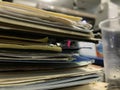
(111, 51)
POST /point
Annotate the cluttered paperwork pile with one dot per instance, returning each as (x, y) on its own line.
(45, 80)
(31, 49)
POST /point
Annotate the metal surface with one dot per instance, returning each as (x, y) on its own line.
(64, 3)
(117, 2)
(87, 5)
(84, 5)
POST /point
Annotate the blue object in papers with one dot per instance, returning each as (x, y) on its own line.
(81, 58)
(98, 60)
(82, 61)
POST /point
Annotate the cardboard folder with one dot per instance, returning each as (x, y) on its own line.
(31, 47)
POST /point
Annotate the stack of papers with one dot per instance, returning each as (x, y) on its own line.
(16, 17)
(44, 80)
(26, 30)
(31, 51)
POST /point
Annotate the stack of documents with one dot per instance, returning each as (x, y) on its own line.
(30, 39)
(16, 17)
(45, 80)
(26, 30)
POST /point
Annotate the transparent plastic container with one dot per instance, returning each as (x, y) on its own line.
(111, 51)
